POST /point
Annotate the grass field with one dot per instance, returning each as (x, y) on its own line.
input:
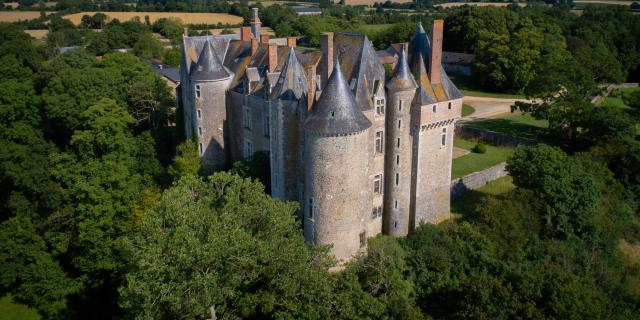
(470, 88)
(13, 311)
(615, 98)
(479, 4)
(371, 2)
(467, 110)
(185, 17)
(474, 162)
(523, 125)
(465, 204)
(374, 27)
(15, 16)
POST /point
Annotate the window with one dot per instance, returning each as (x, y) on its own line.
(449, 105)
(380, 106)
(266, 123)
(398, 143)
(397, 159)
(434, 108)
(199, 113)
(246, 117)
(400, 104)
(379, 211)
(444, 136)
(198, 91)
(376, 212)
(201, 149)
(199, 131)
(397, 179)
(399, 123)
(395, 204)
(379, 141)
(377, 184)
(395, 224)
(310, 214)
(248, 149)
(363, 239)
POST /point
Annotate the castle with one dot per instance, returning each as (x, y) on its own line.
(362, 152)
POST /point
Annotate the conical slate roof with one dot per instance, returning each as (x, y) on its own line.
(402, 78)
(209, 66)
(292, 83)
(425, 91)
(336, 112)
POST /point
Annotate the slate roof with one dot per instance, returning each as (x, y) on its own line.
(292, 82)
(402, 78)
(209, 67)
(336, 112)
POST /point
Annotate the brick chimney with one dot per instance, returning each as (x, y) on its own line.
(255, 23)
(273, 56)
(436, 51)
(264, 38)
(254, 46)
(311, 85)
(326, 46)
(292, 42)
(245, 33)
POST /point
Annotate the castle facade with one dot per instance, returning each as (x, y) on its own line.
(362, 152)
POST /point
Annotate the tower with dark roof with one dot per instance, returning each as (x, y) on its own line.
(336, 199)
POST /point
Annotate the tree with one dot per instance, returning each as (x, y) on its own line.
(186, 162)
(268, 270)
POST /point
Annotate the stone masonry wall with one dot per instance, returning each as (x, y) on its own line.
(476, 180)
(491, 137)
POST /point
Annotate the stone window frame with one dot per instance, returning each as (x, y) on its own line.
(200, 149)
(435, 108)
(397, 179)
(397, 159)
(379, 142)
(266, 124)
(376, 212)
(199, 113)
(379, 106)
(198, 90)
(200, 131)
(363, 239)
(400, 104)
(449, 105)
(377, 184)
(444, 137)
(246, 117)
(399, 123)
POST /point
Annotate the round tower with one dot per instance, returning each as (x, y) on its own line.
(401, 89)
(210, 80)
(336, 186)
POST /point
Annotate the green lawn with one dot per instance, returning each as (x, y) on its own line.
(374, 27)
(465, 204)
(469, 87)
(13, 311)
(523, 125)
(474, 162)
(616, 98)
(467, 110)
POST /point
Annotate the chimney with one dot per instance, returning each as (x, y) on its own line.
(185, 32)
(326, 46)
(245, 33)
(273, 56)
(255, 23)
(254, 46)
(311, 85)
(292, 42)
(264, 38)
(436, 51)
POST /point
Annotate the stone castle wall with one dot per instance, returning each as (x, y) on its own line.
(478, 179)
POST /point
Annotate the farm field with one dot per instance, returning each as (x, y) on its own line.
(185, 17)
(480, 4)
(617, 2)
(285, 3)
(15, 16)
(371, 2)
(38, 34)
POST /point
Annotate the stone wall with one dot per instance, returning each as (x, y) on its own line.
(478, 179)
(491, 137)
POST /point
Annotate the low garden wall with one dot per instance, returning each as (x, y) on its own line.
(491, 137)
(478, 179)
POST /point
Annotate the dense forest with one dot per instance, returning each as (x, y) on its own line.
(104, 212)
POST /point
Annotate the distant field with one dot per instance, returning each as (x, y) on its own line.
(15, 16)
(618, 2)
(185, 17)
(38, 34)
(371, 2)
(285, 3)
(479, 4)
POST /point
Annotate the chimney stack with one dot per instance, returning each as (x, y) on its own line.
(273, 56)
(326, 45)
(185, 32)
(254, 46)
(264, 38)
(292, 42)
(311, 85)
(436, 51)
(255, 23)
(245, 33)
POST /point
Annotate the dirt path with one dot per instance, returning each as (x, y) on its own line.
(487, 107)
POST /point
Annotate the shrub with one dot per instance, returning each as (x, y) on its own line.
(480, 148)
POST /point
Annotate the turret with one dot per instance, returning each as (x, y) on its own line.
(401, 90)
(287, 111)
(210, 80)
(337, 197)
